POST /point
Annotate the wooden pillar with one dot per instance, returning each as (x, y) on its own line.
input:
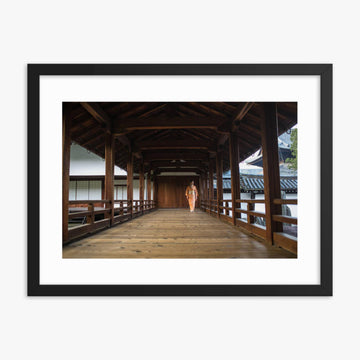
(109, 173)
(155, 188)
(219, 182)
(141, 185)
(269, 139)
(206, 190)
(211, 181)
(251, 207)
(129, 182)
(103, 189)
(90, 219)
(66, 143)
(200, 189)
(235, 175)
(148, 186)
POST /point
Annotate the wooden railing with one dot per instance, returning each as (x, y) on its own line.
(89, 223)
(93, 219)
(282, 239)
(223, 208)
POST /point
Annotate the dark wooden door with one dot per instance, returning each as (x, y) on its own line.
(171, 191)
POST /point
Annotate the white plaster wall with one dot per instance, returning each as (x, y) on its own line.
(293, 208)
(84, 162)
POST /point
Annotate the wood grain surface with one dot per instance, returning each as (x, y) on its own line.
(173, 233)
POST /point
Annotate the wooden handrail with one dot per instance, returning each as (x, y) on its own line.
(123, 213)
(250, 212)
(286, 201)
(77, 214)
(222, 209)
(76, 202)
(285, 219)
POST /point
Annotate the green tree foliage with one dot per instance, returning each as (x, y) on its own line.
(293, 161)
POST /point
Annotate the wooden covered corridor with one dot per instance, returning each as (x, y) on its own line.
(163, 143)
(173, 233)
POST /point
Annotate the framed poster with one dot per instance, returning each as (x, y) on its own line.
(128, 114)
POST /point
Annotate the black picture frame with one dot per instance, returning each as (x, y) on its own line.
(325, 288)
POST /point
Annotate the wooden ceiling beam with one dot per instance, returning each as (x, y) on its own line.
(163, 123)
(186, 110)
(152, 111)
(179, 147)
(250, 130)
(175, 155)
(85, 133)
(241, 111)
(176, 144)
(209, 110)
(103, 119)
(135, 110)
(97, 112)
(160, 170)
(187, 163)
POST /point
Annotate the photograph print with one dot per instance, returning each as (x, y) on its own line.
(167, 180)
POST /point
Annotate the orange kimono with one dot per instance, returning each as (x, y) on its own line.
(191, 194)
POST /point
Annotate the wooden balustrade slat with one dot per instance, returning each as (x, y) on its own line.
(76, 202)
(252, 213)
(225, 207)
(255, 229)
(251, 201)
(102, 211)
(285, 219)
(286, 241)
(285, 201)
(79, 214)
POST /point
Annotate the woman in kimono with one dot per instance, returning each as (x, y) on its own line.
(191, 194)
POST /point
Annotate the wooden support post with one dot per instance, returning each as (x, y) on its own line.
(66, 143)
(211, 184)
(206, 190)
(129, 181)
(91, 218)
(235, 175)
(219, 182)
(103, 190)
(109, 174)
(251, 207)
(200, 190)
(155, 190)
(148, 186)
(205, 193)
(141, 186)
(269, 139)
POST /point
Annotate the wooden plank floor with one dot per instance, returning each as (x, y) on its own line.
(173, 233)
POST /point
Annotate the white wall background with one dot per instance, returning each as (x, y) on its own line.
(84, 162)
(160, 32)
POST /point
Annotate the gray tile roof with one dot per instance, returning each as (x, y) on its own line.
(256, 183)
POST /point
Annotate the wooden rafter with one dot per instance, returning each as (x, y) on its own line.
(175, 155)
(209, 110)
(98, 114)
(241, 111)
(163, 122)
(177, 141)
(152, 111)
(177, 170)
(170, 163)
(103, 119)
